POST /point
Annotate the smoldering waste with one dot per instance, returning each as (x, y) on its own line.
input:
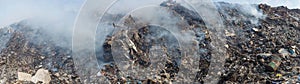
(261, 48)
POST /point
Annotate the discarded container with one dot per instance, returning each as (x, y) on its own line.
(274, 64)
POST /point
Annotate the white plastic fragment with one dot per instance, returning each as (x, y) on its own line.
(255, 29)
(265, 54)
(284, 52)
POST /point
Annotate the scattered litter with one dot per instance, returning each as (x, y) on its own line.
(265, 54)
(255, 29)
(274, 64)
(227, 46)
(284, 52)
(278, 75)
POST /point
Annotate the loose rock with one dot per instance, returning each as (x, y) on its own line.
(41, 75)
(24, 76)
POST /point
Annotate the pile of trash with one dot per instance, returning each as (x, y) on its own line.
(266, 52)
(30, 55)
(262, 46)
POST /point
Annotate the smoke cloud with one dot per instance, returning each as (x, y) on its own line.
(289, 3)
(53, 17)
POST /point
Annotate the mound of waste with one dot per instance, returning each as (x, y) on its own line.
(262, 45)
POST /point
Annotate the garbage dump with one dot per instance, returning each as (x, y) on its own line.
(262, 47)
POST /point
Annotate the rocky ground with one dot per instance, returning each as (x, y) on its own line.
(261, 49)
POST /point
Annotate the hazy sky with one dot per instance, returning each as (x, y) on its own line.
(15, 10)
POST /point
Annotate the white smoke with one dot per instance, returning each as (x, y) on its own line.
(16, 10)
(55, 17)
(254, 11)
(249, 12)
(292, 4)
